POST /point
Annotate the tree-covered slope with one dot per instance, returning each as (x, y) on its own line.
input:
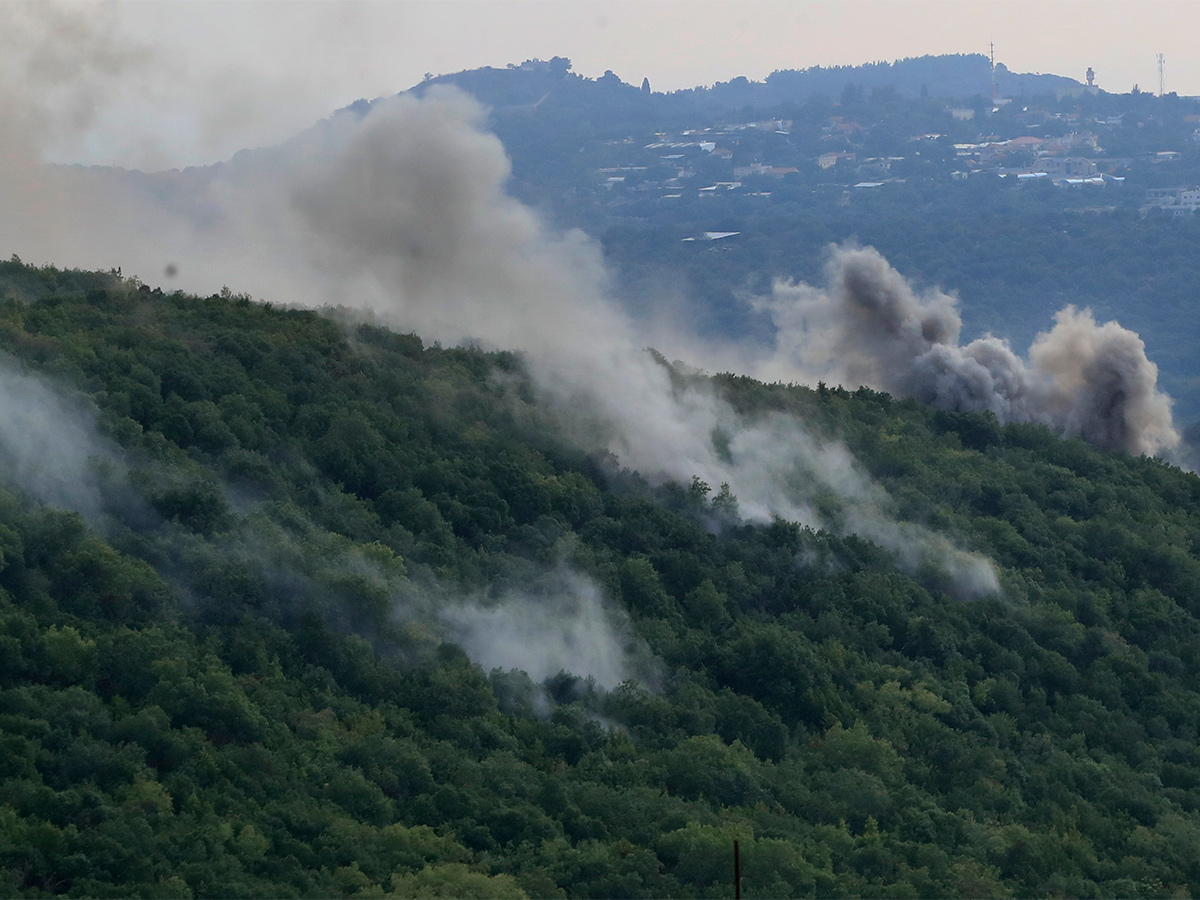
(240, 667)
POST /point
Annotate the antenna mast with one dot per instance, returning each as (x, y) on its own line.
(1161, 61)
(992, 60)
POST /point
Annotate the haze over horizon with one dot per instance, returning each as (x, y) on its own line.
(195, 82)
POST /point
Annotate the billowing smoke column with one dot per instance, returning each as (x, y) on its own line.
(408, 206)
(870, 327)
(404, 210)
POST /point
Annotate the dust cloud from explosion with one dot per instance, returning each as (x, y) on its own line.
(868, 326)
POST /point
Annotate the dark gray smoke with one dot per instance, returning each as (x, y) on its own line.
(869, 326)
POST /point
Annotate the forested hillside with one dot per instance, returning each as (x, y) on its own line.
(269, 577)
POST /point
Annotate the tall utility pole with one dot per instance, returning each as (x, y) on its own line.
(992, 60)
(1161, 61)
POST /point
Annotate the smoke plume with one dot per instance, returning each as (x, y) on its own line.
(49, 446)
(868, 326)
(570, 630)
(401, 208)
(408, 206)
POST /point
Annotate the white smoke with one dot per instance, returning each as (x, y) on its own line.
(404, 211)
(59, 64)
(49, 445)
(570, 630)
(408, 208)
(868, 326)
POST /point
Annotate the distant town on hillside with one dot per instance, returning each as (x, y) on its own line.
(837, 131)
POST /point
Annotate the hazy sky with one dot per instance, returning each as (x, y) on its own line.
(207, 77)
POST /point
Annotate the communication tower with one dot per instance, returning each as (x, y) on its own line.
(992, 60)
(1161, 61)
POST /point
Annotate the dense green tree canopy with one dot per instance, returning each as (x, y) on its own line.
(227, 681)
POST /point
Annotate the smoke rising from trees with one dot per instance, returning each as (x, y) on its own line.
(571, 630)
(402, 209)
(868, 326)
(409, 207)
(48, 445)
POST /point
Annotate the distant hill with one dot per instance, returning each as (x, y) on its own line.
(549, 90)
(947, 77)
